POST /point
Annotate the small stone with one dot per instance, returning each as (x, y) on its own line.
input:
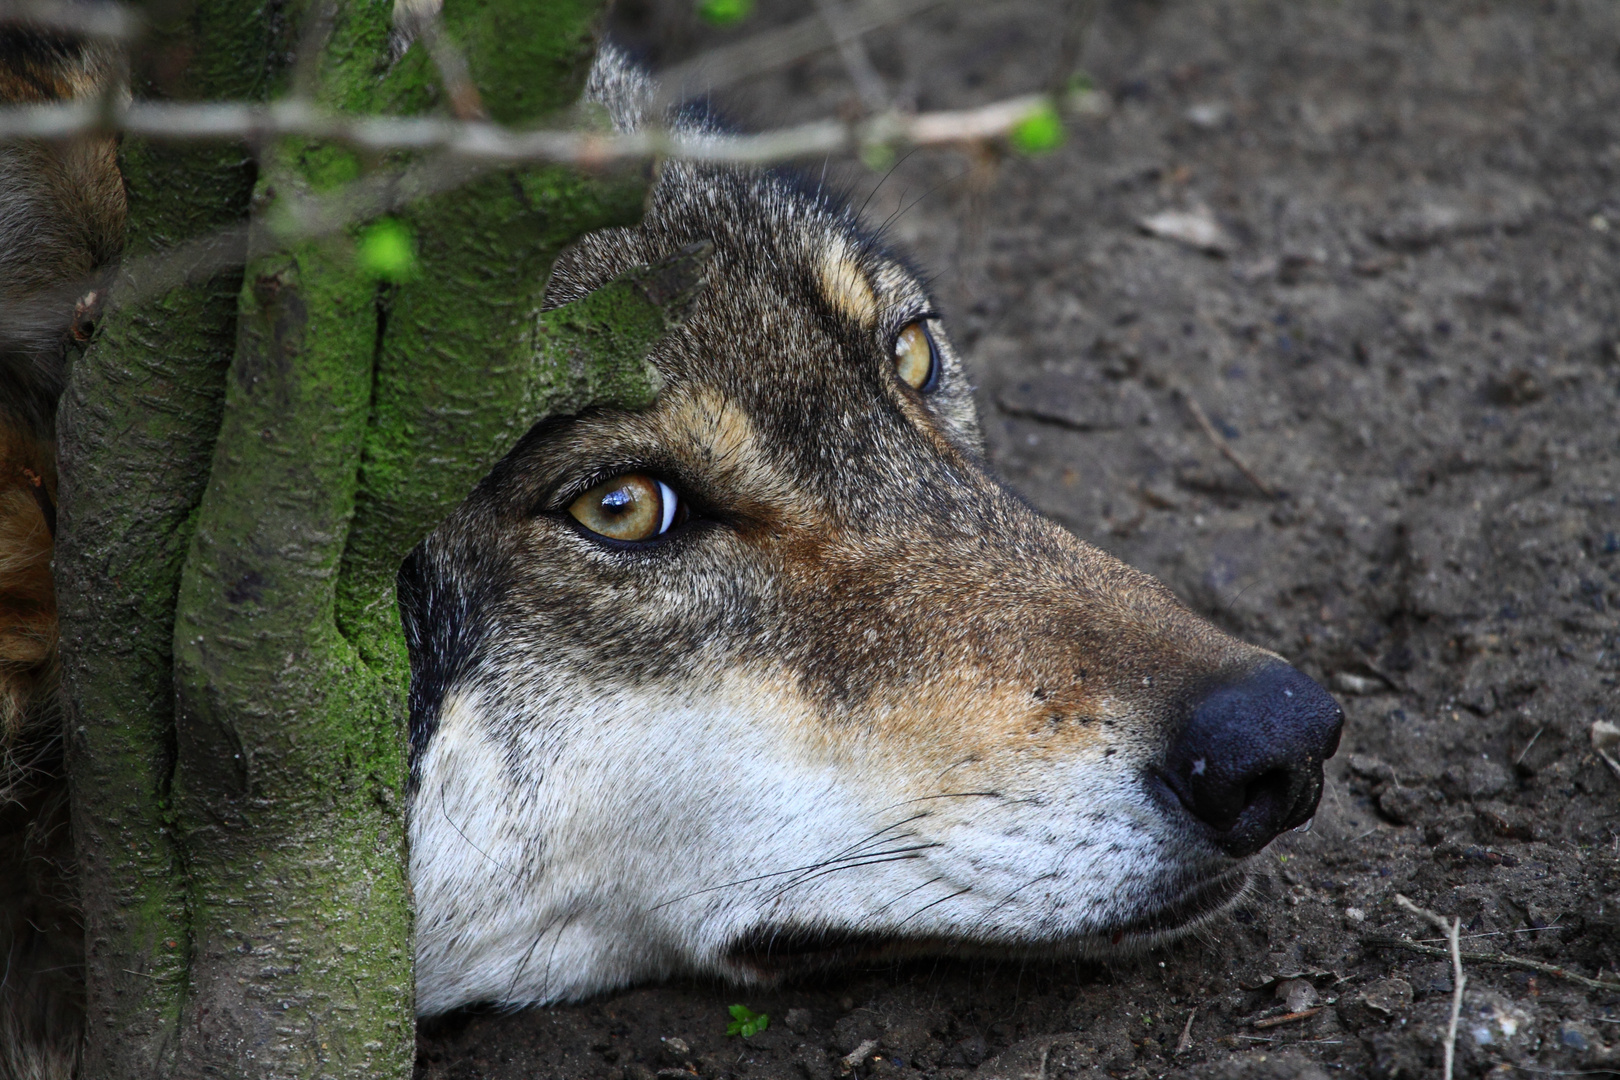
(1208, 114)
(1386, 997)
(1297, 994)
(1509, 822)
(1405, 805)
(674, 1051)
(1355, 915)
(797, 1021)
(1515, 387)
(1571, 1039)
(1474, 780)
(1196, 229)
(1351, 683)
(1371, 768)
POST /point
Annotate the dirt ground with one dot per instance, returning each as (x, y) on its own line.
(1413, 338)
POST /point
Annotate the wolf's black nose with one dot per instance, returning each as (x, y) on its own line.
(1249, 763)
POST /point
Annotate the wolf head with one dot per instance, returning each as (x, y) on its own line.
(776, 673)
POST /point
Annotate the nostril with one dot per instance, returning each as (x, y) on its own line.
(1273, 786)
(1249, 762)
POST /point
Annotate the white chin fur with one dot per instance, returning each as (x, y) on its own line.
(561, 847)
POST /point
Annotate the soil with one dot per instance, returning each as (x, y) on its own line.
(1412, 339)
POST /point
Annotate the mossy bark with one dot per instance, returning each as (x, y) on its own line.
(246, 889)
(136, 430)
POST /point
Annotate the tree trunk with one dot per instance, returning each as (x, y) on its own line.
(136, 428)
(243, 840)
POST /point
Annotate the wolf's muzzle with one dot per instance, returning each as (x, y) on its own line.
(1249, 762)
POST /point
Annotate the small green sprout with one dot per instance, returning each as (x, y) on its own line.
(724, 12)
(746, 1022)
(1040, 131)
(387, 251)
(877, 156)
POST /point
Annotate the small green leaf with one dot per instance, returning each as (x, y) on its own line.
(724, 12)
(387, 251)
(877, 156)
(746, 1022)
(1040, 131)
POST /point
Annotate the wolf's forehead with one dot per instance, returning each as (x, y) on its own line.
(784, 257)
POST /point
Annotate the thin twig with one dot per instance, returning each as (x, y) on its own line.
(1077, 17)
(1499, 959)
(1184, 1043)
(773, 50)
(1606, 738)
(1286, 1018)
(483, 141)
(297, 216)
(868, 83)
(465, 101)
(1528, 745)
(1214, 436)
(1452, 929)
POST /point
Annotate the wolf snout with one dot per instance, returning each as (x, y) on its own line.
(1249, 762)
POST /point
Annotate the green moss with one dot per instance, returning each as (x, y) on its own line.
(136, 431)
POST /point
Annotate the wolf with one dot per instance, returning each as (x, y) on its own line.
(775, 674)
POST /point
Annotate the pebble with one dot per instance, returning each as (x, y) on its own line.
(1196, 229)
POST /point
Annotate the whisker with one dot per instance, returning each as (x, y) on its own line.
(517, 972)
(901, 855)
(848, 852)
(945, 795)
(898, 214)
(960, 892)
(545, 986)
(883, 181)
(781, 873)
(445, 810)
(908, 892)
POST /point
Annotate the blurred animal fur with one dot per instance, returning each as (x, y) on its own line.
(852, 697)
(61, 227)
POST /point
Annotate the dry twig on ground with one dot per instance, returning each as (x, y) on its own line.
(1499, 959)
(1452, 928)
(1213, 434)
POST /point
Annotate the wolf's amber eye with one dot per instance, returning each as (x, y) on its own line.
(914, 358)
(631, 507)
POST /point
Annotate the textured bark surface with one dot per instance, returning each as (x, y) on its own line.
(238, 738)
(136, 429)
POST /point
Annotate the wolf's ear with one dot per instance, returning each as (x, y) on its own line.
(61, 223)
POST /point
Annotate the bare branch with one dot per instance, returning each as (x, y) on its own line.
(773, 50)
(868, 83)
(465, 102)
(481, 141)
(302, 217)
